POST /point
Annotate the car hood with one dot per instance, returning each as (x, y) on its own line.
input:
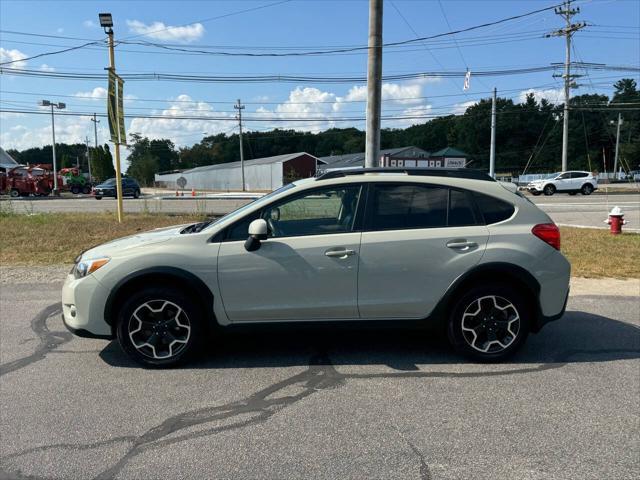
(106, 185)
(138, 240)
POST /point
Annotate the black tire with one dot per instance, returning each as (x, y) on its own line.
(86, 189)
(490, 296)
(98, 197)
(136, 193)
(549, 190)
(535, 193)
(75, 189)
(14, 193)
(587, 189)
(167, 331)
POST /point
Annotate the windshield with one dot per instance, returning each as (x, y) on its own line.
(111, 181)
(246, 207)
(554, 175)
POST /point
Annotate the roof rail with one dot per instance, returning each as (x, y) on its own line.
(427, 172)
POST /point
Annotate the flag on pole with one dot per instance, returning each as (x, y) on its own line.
(121, 130)
(467, 80)
(112, 107)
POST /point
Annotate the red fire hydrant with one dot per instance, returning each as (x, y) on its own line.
(616, 220)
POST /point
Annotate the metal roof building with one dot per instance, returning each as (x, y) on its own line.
(6, 161)
(400, 157)
(261, 174)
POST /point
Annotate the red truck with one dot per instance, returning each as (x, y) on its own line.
(25, 181)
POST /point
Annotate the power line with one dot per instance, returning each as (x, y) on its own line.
(70, 49)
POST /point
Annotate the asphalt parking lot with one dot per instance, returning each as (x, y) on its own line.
(315, 404)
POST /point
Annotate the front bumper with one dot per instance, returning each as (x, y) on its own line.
(534, 188)
(83, 302)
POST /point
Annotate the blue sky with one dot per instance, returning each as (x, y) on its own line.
(613, 39)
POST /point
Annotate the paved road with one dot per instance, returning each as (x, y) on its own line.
(592, 210)
(365, 404)
(563, 209)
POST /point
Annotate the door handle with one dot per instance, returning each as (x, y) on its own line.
(462, 245)
(339, 253)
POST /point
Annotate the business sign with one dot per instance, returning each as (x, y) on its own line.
(115, 109)
(454, 162)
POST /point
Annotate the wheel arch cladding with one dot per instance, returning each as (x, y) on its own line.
(171, 277)
(496, 272)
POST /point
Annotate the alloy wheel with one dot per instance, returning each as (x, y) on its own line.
(490, 324)
(159, 329)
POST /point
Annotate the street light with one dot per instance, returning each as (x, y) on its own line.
(105, 20)
(59, 106)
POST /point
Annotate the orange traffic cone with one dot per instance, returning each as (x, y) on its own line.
(193, 192)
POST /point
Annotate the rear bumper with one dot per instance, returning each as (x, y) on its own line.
(542, 319)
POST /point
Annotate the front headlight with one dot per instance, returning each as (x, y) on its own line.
(85, 267)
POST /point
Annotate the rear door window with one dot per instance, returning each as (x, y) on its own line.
(461, 209)
(407, 206)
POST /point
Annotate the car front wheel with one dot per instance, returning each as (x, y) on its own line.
(587, 189)
(159, 327)
(549, 189)
(489, 323)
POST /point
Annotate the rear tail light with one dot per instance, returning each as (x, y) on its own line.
(548, 233)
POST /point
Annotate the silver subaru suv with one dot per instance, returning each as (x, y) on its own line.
(446, 247)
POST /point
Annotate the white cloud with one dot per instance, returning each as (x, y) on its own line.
(46, 68)
(553, 95)
(68, 130)
(160, 31)
(177, 129)
(89, 24)
(13, 55)
(98, 93)
(317, 106)
(460, 108)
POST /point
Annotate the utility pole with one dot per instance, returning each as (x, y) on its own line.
(374, 85)
(106, 22)
(240, 107)
(615, 159)
(567, 13)
(492, 151)
(95, 137)
(86, 142)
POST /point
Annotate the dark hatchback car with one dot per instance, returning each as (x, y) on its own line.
(130, 188)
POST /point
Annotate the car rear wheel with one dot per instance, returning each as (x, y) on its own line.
(489, 323)
(587, 189)
(159, 327)
(15, 193)
(535, 193)
(549, 189)
(75, 189)
(98, 197)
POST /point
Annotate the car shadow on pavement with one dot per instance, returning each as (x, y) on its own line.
(578, 337)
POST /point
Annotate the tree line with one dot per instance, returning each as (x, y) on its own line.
(528, 137)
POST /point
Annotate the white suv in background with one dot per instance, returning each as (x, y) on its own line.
(406, 245)
(565, 182)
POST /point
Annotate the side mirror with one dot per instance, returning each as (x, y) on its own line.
(257, 233)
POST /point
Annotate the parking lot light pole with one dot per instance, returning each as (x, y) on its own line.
(106, 22)
(59, 106)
